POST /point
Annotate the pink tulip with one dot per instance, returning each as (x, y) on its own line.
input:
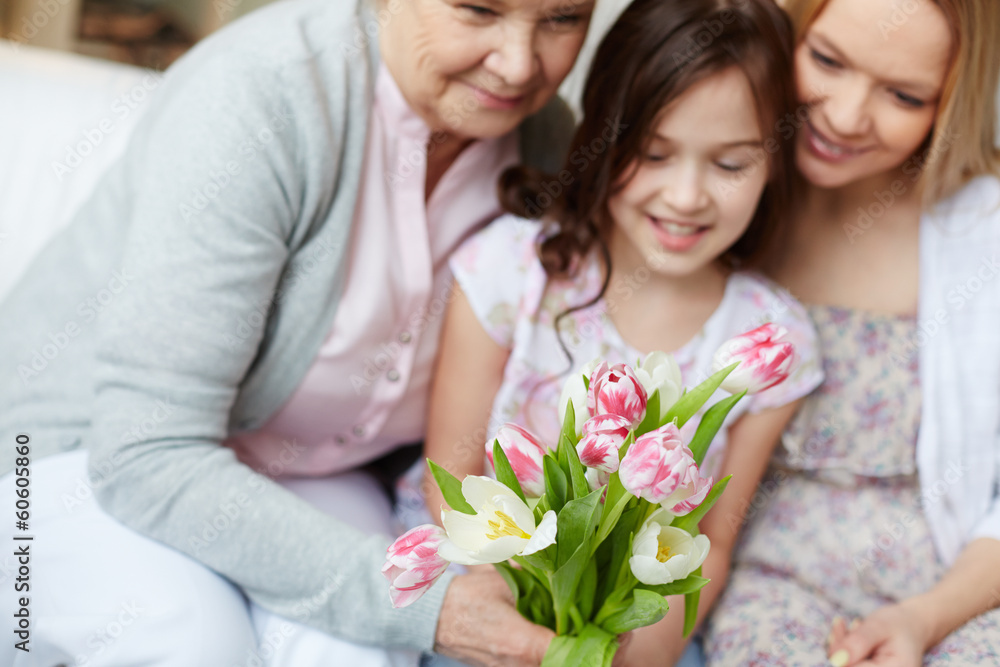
(603, 436)
(691, 493)
(764, 360)
(658, 465)
(615, 390)
(524, 451)
(413, 565)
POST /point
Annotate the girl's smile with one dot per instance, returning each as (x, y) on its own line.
(677, 236)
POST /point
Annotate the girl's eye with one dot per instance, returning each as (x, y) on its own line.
(731, 167)
(655, 157)
(825, 61)
(908, 100)
(478, 11)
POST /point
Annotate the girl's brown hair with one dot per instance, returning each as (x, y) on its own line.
(655, 51)
(962, 144)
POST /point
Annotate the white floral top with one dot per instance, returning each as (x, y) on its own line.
(503, 280)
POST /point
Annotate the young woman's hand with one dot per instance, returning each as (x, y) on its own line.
(893, 636)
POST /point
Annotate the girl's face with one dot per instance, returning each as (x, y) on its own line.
(871, 73)
(695, 191)
(477, 69)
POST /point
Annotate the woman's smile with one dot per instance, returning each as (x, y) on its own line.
(826, 149)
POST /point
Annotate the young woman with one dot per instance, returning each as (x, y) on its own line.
(273, 239)
(668, 197)
(884, 525)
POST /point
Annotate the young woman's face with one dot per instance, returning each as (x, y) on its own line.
(871, 74)
(476, 69)
(694, 193)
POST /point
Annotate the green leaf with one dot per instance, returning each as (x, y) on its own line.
(576, 524)
(541, 507)
(540, 608)
(556, 486)
(710, 424)
(620, 541)
(651, 421)
(505, 474)
(645, 608)
(623, 450)
(569, 421)
(530, 567)
(511, 576)
(692, 401)
(609, 518)
(564, 584)
(577, 471)
(691, 609)
(593, 647)
(451, 488)
(587, 589)
(689, 584)
(689, 522)
(541, 561)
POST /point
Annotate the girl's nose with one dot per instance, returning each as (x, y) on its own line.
(685, 190)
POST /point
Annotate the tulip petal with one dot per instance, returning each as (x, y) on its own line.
(403, 597)
(455, 554)
(480, 490)
(467, 531)
(518, 511)
(544, 536)
(764, 360)
(413, 564)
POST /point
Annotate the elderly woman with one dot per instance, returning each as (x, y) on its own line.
(275, 241)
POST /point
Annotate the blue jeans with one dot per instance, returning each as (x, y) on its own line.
(693, 657)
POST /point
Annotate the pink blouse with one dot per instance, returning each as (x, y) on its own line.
(366, 392)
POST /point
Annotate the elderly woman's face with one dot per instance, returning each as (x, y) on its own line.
(477, 69)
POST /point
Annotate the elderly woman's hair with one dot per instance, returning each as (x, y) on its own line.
(963, 142)
(657, 50)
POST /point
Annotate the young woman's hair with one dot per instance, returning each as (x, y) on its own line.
(962, 143)
(655, 51)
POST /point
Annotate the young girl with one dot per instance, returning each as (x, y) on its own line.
(669, 194)
(888, 516)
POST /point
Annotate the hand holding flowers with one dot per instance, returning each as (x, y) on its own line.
(592, 532)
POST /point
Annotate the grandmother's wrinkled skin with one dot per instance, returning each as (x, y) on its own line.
(475, 70)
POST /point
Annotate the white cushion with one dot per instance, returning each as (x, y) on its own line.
(64, 119)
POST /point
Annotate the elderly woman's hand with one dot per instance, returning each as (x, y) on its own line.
(480, 626)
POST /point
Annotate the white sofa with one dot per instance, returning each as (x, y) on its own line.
(63, 120)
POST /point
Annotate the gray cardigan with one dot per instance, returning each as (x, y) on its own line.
(191, 293)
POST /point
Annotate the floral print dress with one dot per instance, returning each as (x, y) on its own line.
(836, 529)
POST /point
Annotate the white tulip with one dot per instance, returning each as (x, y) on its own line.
(502, 527)
(662, 554)
(576, 391)
(659, 371)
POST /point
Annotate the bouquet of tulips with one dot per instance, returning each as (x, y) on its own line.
(593, 532)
